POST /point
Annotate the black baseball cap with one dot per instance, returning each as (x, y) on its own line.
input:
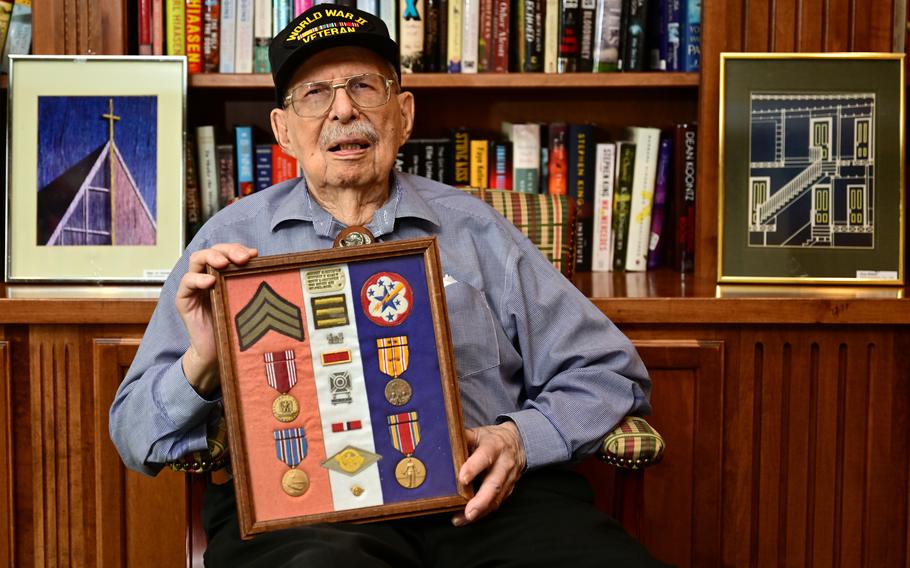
(322, 27)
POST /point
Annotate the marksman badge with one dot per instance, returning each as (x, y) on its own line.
(410, 471)
(393, 361)
(282, 376)
(291, 447)
(386, 298)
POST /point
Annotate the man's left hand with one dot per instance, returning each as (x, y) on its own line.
(499, 452)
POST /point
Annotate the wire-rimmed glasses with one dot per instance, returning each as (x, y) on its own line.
(368, 90)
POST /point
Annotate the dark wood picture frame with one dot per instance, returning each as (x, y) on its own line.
(236, 343)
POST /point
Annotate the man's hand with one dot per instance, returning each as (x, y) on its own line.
(200, 362)
(498, 451)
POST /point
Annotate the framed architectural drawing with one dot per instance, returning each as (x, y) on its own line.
(95, 168)
(339, 386)
(811, 168)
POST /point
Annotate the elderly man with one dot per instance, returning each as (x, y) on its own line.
(542, 374)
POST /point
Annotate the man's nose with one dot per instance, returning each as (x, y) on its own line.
(343, 108)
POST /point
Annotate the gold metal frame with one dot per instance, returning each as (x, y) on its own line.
(729, 279)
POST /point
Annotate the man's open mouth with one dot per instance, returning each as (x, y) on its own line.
(349, 146)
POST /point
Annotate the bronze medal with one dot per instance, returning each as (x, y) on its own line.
(410, 472)
(285, 408)
(353, 236)
(398, 392)
(295, 482)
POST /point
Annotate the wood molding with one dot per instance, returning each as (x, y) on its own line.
(7, 479)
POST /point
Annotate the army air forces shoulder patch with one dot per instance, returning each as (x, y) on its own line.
(386, 298)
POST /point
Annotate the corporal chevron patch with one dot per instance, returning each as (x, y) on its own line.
(267, 311)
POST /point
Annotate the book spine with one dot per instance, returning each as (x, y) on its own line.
(444, 161)
(656, 245)
(157, 27)
(19, 35)
(371, 6)
(657, 36)
(485, 36)
(455, 26)
(431, 36)
(581, 188)
(633, 57)
(228, 29)
(674, 60)
(462, 158)
(691, 36)
(145, 26)
(586, 36)
(684, 196)
(175, 27)
(544, 184)
(500, 165)
(211, 23)
(192, 198)
(193, 34)
(411, 27)
(470, 30)
(442, 50)
(501, 11)
(605, 166)
(551, 36)
(388, 13)
(6, 11)
(301, 6)
(262, 34)
(557, 168)
(227, 189)
(243, 47)
(647, 141)
(243, 140)
(263, 153)
(480, 165)
(568, 36)
(208, 171)
(606, 36)
(525, 155)
(284, 167)
(281, 14)
(622, 202)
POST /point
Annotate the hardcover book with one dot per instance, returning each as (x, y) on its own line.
(580, 182)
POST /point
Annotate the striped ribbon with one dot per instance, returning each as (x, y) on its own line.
(405, 431)
(290, 445)
(280, 370)
(393, 355)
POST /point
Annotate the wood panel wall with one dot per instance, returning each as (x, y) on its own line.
(80, 27)
(776, 26)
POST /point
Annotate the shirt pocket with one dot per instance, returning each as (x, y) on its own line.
(472, 326)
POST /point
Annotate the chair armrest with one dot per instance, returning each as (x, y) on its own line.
(214, 458)
(633, 444)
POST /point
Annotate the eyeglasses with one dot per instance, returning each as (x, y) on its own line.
(310, 100)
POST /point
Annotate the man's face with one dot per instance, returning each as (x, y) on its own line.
(348, 146)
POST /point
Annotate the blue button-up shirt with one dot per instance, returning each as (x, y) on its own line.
(529, 347)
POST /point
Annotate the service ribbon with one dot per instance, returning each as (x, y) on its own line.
(405, 431)
(393, 355)
(290, 445)
(280, 370)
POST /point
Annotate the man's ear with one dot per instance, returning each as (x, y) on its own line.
(279, 122)
(406, 107)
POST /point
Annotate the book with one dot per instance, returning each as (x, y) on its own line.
(262, 33)
(647, 141)
(208, 171)
(690, 35)
(411, 30)
(557, 168)
(227, 187)
(228, 35)
(525, 138)
(388, 13)
(605, 168)
(632, 41)
(243, 140)
(656, 244)
(301, 6)
(580, 148)
(480, 163)
(193, 34)
(282, 13)
(500, 165)
(683, 183)
(461, 157)
(606, 36)
(371, 6)
(656, 36)
(284, 167)
(586, 14)
(211, 28)
(19, 34)
(192, 198)
(528, 33)
(263, 166)
(145, 24)
(6, 11)
(158, 27)
(175, 27)
(674, 59)
(551, 36)
(431, 36)
(485, 36)
(622, 202)
(470, 30)
(500, 56)
(569, 30)
(454, 30)
(243, 42)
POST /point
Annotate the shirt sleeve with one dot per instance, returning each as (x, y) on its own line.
(581, 374)
(157, 416)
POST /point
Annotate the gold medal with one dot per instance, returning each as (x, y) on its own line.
(285, 408)
(410, 472)
(398, 392)
(295, 482)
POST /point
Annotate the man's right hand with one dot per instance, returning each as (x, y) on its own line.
(200, 362)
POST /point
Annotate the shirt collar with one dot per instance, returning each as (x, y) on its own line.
(404, 201)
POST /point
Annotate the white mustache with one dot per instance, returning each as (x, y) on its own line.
(338, 131)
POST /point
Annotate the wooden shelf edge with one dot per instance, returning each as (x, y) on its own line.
(480, 80)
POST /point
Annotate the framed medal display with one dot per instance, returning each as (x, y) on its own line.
(339, 386)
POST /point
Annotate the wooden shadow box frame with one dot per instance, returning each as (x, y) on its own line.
(339, 386)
